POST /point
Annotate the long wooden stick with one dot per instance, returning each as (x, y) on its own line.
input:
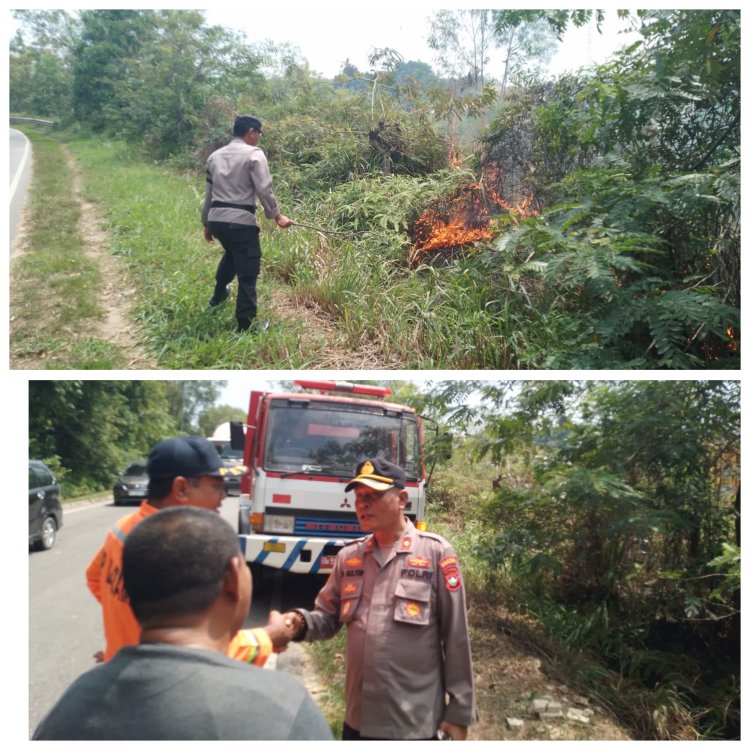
(325, 231)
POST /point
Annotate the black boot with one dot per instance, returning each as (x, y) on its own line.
(243, 324)
(218, 297)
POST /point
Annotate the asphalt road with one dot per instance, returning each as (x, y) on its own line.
(64, 618)
(19, 158)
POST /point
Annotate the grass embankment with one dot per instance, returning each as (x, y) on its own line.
(53, 293)
(329, 661)
(334, 302)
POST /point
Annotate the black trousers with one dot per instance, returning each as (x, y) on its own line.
(352, 734)
(241, 258)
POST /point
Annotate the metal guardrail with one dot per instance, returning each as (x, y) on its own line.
(31, 121)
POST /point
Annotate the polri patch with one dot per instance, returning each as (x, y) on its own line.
(449, 566)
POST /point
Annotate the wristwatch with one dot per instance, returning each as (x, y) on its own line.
(301, 624)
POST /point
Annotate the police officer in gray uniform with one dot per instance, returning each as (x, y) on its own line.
(400, 594)
(236, 176)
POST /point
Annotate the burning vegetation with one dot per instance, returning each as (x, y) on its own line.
(463, 219)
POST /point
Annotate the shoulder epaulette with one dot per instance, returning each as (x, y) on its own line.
(358, 540)
(430, 535)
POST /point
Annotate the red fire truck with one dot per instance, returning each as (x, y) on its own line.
(300, 450)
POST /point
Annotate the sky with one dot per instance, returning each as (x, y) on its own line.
(327, 34)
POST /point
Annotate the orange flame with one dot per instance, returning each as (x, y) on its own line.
(465, 218)
(733, 346)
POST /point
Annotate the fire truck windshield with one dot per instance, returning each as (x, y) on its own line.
(333, 439)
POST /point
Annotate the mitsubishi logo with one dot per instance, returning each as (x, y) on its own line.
(345, 504)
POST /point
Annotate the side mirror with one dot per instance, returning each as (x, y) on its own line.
(438, 450)
(237, 436)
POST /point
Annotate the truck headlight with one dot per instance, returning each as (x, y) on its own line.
(278, 524)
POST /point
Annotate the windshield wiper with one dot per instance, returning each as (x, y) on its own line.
(310, 469)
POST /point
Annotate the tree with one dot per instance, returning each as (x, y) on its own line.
(53, 31)
(109, 43)
(180, 67)
(87, 430)
(462, 41)
(40, 63)
(527, 44)
(212, 417)
(558, 20)
(630, 482)
(50, 88)
(188, 399)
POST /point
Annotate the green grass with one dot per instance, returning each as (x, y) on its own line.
(374, 306)
(328, 658)
(53, 291)
(155, 229)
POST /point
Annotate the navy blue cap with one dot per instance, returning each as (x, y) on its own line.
(379, 474)
(185, 457)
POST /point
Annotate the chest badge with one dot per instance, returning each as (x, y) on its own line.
(413, 609)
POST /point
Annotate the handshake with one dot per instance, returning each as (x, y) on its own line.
(282, 628)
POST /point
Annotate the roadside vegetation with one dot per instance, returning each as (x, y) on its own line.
(87, 431)
(599, 222)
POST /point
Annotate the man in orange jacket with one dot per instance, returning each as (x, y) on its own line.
(182, 471)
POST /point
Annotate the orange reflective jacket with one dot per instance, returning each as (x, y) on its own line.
(104, 579)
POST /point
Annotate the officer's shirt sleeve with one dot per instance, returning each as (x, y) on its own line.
(208, 197)
(263, 184)
(323, 622)
(454, 633)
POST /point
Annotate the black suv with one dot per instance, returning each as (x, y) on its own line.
(45, 510)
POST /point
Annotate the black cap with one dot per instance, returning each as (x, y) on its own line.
(378, 474)
(185, 457)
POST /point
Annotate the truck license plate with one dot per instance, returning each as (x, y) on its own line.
(327, 562)
(274, 547)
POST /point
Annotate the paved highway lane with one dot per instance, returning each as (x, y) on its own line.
(19, 158)
(64, 618)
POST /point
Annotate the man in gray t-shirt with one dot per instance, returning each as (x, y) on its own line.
(190, 590)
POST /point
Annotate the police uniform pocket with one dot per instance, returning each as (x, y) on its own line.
(412, 602)
(350, 594)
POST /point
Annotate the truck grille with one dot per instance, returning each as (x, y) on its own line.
(311, 526)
